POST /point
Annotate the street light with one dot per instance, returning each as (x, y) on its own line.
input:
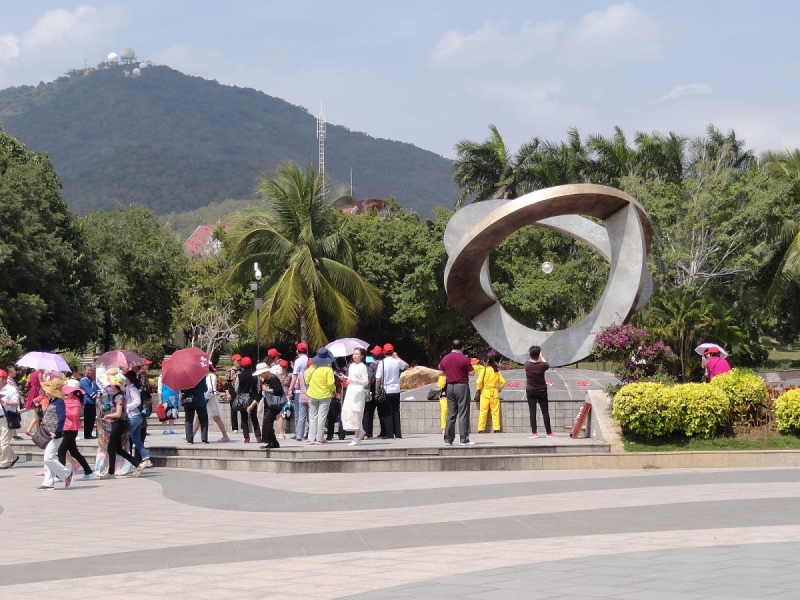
(254, 287)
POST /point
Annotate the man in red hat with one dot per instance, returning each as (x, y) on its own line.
(300, 408)
(370, 406)
(230, 379)
(387, 376)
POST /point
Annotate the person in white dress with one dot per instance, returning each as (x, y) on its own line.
(356, 396)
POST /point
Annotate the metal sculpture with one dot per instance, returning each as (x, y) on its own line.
(623, 239)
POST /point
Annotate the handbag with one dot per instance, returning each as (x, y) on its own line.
(274, 403)
(40, 437)
(477, 397)
(161, 412)
(241, 401)
(13, 419)
(187, 398)
(380, 395)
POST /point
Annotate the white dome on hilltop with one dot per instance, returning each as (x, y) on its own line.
(128, 52)
(113, 57)
(136, 72)
(142, 65)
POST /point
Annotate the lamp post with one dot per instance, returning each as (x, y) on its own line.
(254, 287)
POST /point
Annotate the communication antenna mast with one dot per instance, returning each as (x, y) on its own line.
(321, 138)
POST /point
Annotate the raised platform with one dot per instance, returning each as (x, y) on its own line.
(412, 453)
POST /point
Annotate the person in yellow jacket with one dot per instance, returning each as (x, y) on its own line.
(320, 387)
(490, 383)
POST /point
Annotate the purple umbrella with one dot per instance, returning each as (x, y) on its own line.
(45, 361)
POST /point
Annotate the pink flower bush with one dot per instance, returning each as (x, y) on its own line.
(628, 348)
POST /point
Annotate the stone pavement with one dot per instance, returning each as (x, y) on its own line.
(173, 533)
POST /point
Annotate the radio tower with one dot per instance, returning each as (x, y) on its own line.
(321, 138)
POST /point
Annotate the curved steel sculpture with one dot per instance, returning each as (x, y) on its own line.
(623, 239)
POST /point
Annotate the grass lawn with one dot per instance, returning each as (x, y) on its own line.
(680, 443)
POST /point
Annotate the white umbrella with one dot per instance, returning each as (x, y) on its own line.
(701, 349)
(44, 360)
(346, 346)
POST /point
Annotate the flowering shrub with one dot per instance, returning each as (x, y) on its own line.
(787, 412)
(647, 409)
(704, 409)
(634, 359)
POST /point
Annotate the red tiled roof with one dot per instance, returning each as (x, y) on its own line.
(198, 241)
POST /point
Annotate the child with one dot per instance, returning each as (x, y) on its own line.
(170, 400)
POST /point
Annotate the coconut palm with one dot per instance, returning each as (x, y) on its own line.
(300, 243)
(488, 169)
(785, 166)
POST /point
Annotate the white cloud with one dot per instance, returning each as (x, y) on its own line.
(619, 34)
(60, 40)
(687, 90)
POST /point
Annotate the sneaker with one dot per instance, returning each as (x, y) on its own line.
(448, 443)
(106, 476)
(68, 480)
(467, 443)
(246, 440)
(323, 442)
(43, 488)
(173, 432)
(206, 442)
(355, 442)
(87, 477)
(552, 435)
(258, 438)
(533, 436)
(224, 439)
(164, 432)
(309, 442)
(138, 470)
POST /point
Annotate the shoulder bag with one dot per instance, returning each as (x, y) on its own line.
(13, 419)
(380, 395)
(187, 398)
(478, 392)
(40, 437)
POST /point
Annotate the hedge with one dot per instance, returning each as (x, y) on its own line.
(743, 388)
(787, 412)
(704, 409)
(647, 409)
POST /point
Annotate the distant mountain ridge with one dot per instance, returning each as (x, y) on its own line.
(176, 143)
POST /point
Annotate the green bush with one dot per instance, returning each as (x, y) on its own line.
(647, 409)
(742, 388)
(787, 412)
(153, 351)
(704, 409)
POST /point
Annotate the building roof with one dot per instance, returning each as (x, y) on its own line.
(198, 242)
(360, 207)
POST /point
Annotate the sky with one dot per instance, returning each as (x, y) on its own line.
(437, 71)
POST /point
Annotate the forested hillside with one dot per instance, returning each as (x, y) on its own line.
(176, 143)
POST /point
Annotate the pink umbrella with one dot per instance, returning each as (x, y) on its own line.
(184, 369)
(44, 360)
(120, 358)
(346, 346)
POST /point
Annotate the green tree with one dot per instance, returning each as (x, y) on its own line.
(785, 230)
(299, 239)
(140, 267)
(47, 287)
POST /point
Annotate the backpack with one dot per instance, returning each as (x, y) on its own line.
(50, 419)
(107, 402)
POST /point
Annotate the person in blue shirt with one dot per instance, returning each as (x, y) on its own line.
(198, 409)
(90, 393)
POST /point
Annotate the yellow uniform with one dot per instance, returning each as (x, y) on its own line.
(442, 403)
(490, 383)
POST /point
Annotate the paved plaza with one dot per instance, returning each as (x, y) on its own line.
(174, 533)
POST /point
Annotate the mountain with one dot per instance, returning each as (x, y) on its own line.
(176, 143)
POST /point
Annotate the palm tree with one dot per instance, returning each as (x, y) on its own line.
(300, 243)
(785, 166)
(488, 169)
(678, 317)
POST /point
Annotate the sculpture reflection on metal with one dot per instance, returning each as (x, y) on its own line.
(623, 239)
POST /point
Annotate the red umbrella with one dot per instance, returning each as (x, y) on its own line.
(185, 368)
(120, 358)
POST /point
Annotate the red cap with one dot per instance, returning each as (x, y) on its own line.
(302, 347)
(273, 352)
(236, 357)
(388, 348)
(148, 362)
(3, 373)
(283, 363)
(377, 351)
(212, 368)
(247, 361)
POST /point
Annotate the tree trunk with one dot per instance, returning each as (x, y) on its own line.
(107, 331)
(302, 324)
